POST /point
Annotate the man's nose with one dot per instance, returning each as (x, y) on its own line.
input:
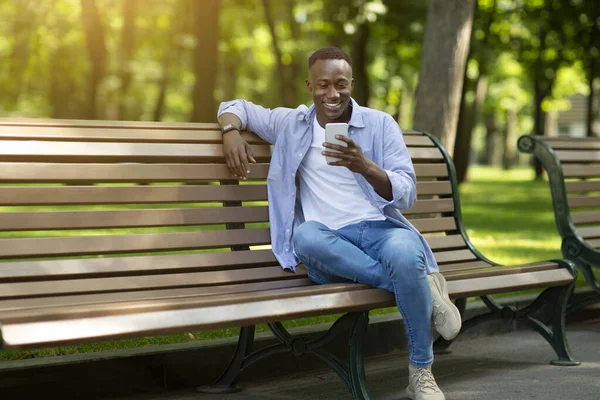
(333, 93)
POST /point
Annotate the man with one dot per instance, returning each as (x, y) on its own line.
(341, 219)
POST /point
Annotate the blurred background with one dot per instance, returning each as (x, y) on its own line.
(531, 65)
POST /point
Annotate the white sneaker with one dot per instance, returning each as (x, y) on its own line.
(422, 385)
(446, 317)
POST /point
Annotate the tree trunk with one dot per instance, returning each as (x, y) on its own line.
(590, 99)
(490, 156)
(466, 124)
(127, 33)
(445, 49)
(539, 121)
(22, 29)
(297, 66)
(360, 63)
(206, 30)
(94, 32)
(284, 93)
(510, 144)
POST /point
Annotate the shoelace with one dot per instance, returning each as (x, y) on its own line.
(424, 381)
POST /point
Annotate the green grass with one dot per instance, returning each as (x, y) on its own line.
(507, 215)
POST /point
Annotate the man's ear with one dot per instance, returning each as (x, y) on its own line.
(308, 86)
(352, 84)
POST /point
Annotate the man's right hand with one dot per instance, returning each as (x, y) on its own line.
(238, 154)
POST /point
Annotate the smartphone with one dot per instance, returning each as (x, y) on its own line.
(331, 130)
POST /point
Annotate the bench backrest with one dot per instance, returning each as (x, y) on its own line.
(574, 163)
(161, 195)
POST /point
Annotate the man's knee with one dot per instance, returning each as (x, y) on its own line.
(307, 237)
(405, 255)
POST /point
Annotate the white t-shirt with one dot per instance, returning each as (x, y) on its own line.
(330, 194)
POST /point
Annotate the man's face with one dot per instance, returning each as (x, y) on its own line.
(331, 83)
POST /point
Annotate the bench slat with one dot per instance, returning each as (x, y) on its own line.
(130, 243)
(430, 225)
(509, 283)
(471, 270)
(130, 218)
(446, 268)
(583, 186)
(434, 188)
(446, 242)
(558, 143)
(106, 124)
(117, 134)
(589, 232)
(429, 170)
(581, 171)
(454, 256)
(92, 173)
(82, 152)
(144, 282)
(71, 195)
(135, 265)
(430, 206)
(585, 217)
(144, 295)
(566, 156)
(583, 201)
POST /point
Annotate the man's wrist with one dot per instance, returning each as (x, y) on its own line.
(229, 128)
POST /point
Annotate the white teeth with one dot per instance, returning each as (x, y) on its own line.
(332, 105)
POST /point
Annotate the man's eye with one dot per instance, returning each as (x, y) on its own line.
(322, 86)
(341, 86)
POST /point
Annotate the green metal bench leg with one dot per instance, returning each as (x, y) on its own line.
(356, 362)
(551, 327)
(226, 383)
(351, 372)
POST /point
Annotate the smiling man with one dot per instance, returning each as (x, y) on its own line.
(342, 219)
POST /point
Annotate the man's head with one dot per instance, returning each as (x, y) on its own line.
(330, 81)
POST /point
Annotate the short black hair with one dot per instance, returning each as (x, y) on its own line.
(328, 53)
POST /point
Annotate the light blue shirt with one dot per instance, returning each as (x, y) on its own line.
(290, 132)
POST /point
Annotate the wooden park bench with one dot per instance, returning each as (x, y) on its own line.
(114, 230)
(573, 167)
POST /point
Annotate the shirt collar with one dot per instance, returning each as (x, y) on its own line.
(356, 119)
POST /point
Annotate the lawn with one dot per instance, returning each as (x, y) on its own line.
(508, 216)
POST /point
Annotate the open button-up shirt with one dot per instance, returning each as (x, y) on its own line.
(290, 132)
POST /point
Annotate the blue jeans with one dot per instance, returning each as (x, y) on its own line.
(380, 254)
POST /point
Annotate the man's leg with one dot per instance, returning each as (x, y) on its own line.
(401, 254)
(331, 257)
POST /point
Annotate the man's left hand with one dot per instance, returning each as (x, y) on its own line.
(350, 157)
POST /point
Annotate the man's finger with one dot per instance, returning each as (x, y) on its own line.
(345, 139)
(250, 154)
(244, 162)
(335, 147)
(238, 166)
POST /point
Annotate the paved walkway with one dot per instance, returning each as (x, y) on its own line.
(513, 366)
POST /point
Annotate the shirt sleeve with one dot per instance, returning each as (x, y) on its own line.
(398, 166)
(255, 118)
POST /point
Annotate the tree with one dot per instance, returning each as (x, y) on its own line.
(97, 54)
(127, 47)
(206, 31)
(445, 48)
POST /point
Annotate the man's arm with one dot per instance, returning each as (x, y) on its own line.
(245, 115)
(395, 183)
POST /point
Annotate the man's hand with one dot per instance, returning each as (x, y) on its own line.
(350, 157)
(238, 154)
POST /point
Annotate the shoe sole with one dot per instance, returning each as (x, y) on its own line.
(443, 289)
